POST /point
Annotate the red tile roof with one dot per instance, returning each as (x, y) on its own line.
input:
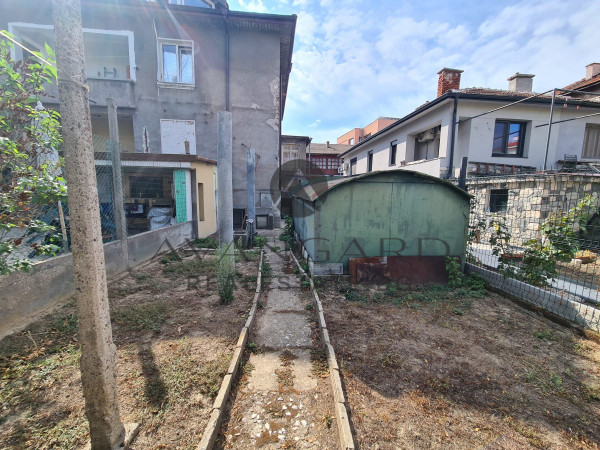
(584, 83)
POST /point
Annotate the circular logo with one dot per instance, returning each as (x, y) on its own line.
(301, 178)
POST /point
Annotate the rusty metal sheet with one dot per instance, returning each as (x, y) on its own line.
(354, 262)
(403, 269)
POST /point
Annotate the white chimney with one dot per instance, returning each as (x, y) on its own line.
(521, 82)
(591, 70)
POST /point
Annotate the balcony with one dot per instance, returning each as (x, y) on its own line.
(100, 89)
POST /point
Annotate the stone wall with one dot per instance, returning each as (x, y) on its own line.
(531, 199)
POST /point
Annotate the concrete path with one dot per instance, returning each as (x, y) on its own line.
(281, 403)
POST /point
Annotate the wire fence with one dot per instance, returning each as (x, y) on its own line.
(147, 199)
(537, 237)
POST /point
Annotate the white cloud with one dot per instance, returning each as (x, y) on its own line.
(253, 6)
(355, 61)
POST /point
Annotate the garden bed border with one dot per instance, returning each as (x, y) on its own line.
(211, 431)
(341, 411)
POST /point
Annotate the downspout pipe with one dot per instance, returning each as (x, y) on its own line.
(452, 137)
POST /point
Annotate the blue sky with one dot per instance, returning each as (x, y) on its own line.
(356, 60)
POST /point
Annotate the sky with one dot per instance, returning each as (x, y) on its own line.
(357, 60)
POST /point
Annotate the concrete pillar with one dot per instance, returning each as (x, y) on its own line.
(224, 178)
(97, 363)
(117, 172)
(251, 183)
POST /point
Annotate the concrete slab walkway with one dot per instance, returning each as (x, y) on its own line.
(282, 401)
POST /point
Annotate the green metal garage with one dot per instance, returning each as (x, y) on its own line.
(402, 220)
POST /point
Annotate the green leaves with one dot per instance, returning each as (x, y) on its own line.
(30, 167)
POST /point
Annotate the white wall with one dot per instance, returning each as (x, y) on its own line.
(405, 136)
(475, 136)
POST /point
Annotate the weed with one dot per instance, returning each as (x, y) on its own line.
(276, 248)
(142, 317)
(260, 305)
(309, 307)
(288, 233)
(455, 275)
(140, 277)
(544, 334)
(377, 297)
(252, 347)
(391, 289)
(207, 242)
(260, 241)
(296, 271)
(305, 267)
(318, 281)
(226, 274)
(328, 420)
(305, 284)
(66, 324)
(191, 268)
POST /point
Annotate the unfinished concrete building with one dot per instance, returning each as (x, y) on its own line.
(171, 68)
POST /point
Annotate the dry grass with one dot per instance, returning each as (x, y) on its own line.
(492, 374)
(174, 343)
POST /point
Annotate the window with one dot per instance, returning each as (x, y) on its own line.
(176, 62)
(591, 142)
(509, 139)
(498, 200)
(146, 187)
(370, 161)
(353, 166)
(393, 151)
(351, 141)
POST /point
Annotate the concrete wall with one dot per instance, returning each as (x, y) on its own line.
(24, 297)
(254, 83)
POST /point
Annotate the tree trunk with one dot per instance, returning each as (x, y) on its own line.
(98, 368)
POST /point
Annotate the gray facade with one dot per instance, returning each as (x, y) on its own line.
(241, 63)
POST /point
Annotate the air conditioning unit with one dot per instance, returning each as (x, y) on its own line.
(341, 169)
(426, 136)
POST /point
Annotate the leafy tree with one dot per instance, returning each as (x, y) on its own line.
(30, 168)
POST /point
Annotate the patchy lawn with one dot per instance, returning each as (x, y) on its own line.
(174, 343)
(433, 367)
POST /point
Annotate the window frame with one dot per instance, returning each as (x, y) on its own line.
(353, 163)
(498, 200)
(393, 152)
(587, 137)
(179, 44)
(370, 161)
(521, 147)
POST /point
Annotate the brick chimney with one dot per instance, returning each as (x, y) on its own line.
(449, 79)
(591, 70)
(521, 82)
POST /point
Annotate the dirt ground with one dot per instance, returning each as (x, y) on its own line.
(432, 368)
(174, 342)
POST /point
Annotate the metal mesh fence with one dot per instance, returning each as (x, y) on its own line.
(537, 237)
(29, 243)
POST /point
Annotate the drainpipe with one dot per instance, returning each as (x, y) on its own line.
(453, 137)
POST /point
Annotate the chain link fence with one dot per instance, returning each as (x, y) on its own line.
(537, 237)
